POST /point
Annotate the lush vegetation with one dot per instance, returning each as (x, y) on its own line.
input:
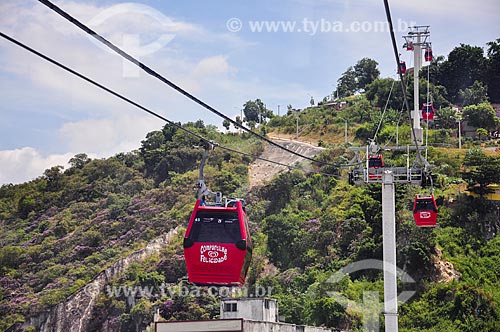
(60, 230)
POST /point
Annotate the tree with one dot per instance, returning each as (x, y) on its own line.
(465, 65)
(366, 72)
(54, 178)
(477, 93)
(481, 170)
(256, 111)
(481, 132)
(346, 84)
(239, 121)
(493, 77)
(79, 160)
(447, 118)
(152, 150)
(481, 116)
(357, 78)
(377, 92)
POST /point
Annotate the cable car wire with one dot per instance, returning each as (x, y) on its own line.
(143, 108)
(383, 113)
(396, 55)
(155, 74)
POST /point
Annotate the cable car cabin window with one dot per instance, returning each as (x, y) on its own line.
(221, 227)
(425, 205)
(374, 162)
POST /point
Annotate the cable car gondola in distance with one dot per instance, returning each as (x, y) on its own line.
(428, 111)
(375, 162)
(425, 211)
(428, 54)
(217, 243)
(402, 67)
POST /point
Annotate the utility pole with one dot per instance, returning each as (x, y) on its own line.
(297, 132)
(279, 126)
(459, 133)
(417, 39)
(345, 131)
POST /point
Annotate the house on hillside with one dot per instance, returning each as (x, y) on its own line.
(470, 131)
(336, 105)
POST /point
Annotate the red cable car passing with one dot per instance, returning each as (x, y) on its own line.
(217, 244)
(428, 111)
(375, 162)
(425, 211)
(402, 67)
(428, 54)
(409, 46)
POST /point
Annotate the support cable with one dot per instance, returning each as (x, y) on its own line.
(396, 55)
(143, 108)
(155, 74)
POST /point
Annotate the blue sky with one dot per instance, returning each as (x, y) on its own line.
(48, 116)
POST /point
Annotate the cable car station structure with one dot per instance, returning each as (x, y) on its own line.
(371, 169)
(365, 171)
(416, 41)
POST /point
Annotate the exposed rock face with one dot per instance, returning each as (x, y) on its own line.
(261, 171)
(445, 272)
(73, 315)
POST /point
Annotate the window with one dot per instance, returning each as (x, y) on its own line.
(266, 303)
(230, 307)
(425, 205)
(221, 227)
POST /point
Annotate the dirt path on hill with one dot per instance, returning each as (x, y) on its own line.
(262, 171)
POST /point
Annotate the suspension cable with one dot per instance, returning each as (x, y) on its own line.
(383, 113)
(143, 108)
(155, 74)
(396, 55)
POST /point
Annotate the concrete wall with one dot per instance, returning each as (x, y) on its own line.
(261, 309)
(234, 325)
(255, 326)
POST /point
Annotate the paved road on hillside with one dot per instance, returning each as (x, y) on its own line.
(261, 171)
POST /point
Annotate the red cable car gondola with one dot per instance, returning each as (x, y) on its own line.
(375, 162)
(402, 67)
(217, 244)
(428, 111)
(425, 211)
(409, 46)
(428, 54)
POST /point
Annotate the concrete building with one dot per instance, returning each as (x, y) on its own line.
(240, 315)
(261, 309)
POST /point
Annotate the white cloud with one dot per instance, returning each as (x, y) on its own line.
(106, 137)
(21, 165)
(214, 65)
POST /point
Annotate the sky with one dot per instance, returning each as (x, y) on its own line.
(224, 52)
